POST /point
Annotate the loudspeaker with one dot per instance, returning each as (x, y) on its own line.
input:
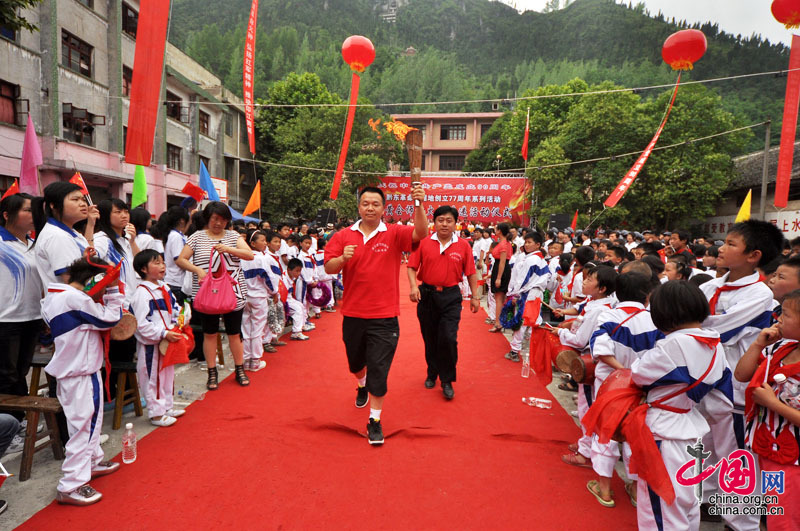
(325, 216)
(558, 221)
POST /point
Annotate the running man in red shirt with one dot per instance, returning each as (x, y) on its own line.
(368, 255)
(440, 262)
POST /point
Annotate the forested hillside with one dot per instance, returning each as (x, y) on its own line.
(473, 49)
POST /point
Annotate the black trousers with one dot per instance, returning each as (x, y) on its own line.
(439, 313)
(18, 342)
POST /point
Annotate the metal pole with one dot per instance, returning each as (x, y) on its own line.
(764, 169)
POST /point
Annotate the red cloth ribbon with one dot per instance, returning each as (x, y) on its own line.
(712, 303)
(543, 349)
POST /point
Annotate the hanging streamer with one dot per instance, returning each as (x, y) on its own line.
(148, 66)
(247, 76)
(789, 127)
(627, 181)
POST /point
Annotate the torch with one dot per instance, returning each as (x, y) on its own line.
(414, 147)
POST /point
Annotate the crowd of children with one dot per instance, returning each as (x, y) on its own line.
(708, 330)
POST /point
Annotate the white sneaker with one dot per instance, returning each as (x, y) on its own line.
(255, 365)
(17, 444)
(176, 412)
(308, 327)
(299, 336)
(103, 438)
(163, 421)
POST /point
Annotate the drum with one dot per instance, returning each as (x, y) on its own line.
(125, 328)
(564, 360)
(616, 411)
(582, 369)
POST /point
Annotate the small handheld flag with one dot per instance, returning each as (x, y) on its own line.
(255, 200)
(139, 195)
(574, 224)
(744, 210)
(13, 189)
(525, 138)
(206, 184)
(31, 160)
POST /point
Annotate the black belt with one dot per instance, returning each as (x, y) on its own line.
(438, 288)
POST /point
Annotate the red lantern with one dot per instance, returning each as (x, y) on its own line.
(358, 52)
(787, 12)
(684, 48)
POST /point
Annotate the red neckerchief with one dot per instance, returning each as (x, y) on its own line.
(168, 304)
(277, 259)
(712, 303)
(572, 280)
(539, 253)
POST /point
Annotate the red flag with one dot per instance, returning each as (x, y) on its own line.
(193, 191)
(530, 315)
(148, 66)
(255, 200)
(789, 127)
(78, 179)
(627, 181)
(525, 138)
(574, 224)
(247, 74)
(31, 160)
(13, 189)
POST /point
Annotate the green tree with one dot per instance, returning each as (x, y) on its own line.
(10, 17)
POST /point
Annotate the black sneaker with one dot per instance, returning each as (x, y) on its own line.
(374, 432)
(362, 397)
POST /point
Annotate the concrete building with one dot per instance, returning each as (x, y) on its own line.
(748, 175)
(447, 138)
(73, 77)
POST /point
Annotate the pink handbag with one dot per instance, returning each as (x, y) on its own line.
(216, 295)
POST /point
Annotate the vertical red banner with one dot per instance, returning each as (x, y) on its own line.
(247, 75)
(789, 127)
(627, 181)
(148, 66)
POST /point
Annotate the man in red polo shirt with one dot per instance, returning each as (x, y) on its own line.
(368, 255)
(440, 262)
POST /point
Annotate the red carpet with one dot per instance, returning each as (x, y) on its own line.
(289, 451)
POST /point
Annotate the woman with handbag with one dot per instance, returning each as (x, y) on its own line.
(218, 251)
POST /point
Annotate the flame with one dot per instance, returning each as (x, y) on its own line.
(397, 128)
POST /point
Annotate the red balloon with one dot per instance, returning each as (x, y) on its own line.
(684, 48)
(358, 52)
(787, 12)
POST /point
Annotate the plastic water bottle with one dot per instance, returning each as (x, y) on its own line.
(128, 445)
(541, 403)
(189, 396)
(526, 365)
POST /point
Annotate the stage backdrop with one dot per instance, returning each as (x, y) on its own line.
(478, 198)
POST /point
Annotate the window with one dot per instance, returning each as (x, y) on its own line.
(76, 54)
(229, 124)
(206, 162)
(79, 124)
(174, 157)
(451, 162)
(127, 79)
(485, 129)
(230, 169)
(87, 3)
(174, 104)
(204, 119)
(8, 33)
(454, 132)
(423, 162)
(8, 102)
(242, 129)
(130, 20)
(124, 137)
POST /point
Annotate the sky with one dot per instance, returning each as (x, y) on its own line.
(734, 16)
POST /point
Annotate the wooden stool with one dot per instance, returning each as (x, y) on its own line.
(33, 406)
(39, 362)
(126, 372)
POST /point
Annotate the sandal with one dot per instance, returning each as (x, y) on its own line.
(630, 488)
(496, 329)
(573, 448)
(241, 377)
(577, 460)
(568, 386)
(212, 384)
(594, 487)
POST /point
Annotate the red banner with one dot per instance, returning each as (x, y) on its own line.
(247, 75)
(348, 128)
(627, 181)
(148, 66)
(789, 127)
(484, 198)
